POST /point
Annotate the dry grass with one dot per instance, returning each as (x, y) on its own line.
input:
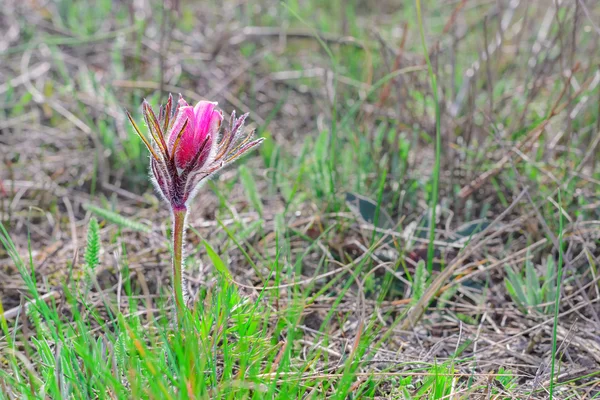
(514, 130)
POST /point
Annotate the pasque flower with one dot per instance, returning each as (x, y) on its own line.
(186, 148)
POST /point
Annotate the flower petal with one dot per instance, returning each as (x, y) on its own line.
(187, 147)
(208, 119)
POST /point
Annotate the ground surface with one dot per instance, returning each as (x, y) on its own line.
(322, 287)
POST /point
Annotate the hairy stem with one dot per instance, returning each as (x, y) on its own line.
(179, 215)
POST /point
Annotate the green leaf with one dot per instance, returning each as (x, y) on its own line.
(366, 208)
(472, 228)
(548, 290)
(118, 219)
(514, 285)
(92, 249)
(533, 284)
(511, 291)
(467, 319)
(251, 191)
(217, 262)
(419, 281)
(447, 295)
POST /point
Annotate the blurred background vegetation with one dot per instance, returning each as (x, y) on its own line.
(344, 182)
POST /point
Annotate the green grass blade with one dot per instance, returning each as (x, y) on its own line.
(251, 190)
(557, 295)
(118, 219)
(217, 261)
(438, 143)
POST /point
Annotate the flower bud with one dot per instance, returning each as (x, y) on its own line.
(204, 121)
(186, 147)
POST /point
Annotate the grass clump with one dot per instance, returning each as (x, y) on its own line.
(529, 291)
(397, 235)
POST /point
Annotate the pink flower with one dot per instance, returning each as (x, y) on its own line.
(186, 147)
(204, 121)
